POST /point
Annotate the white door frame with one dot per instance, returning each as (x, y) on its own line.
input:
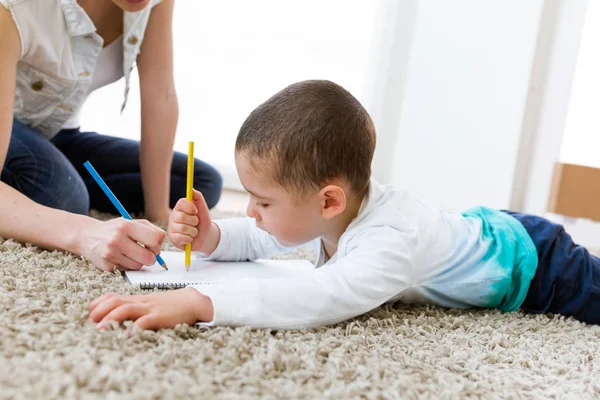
(386, 77)
(547, 103)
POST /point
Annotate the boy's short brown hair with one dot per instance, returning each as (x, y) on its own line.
(308, 134)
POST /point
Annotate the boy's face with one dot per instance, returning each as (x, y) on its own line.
(291, 220)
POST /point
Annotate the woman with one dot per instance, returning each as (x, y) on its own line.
(54, 53)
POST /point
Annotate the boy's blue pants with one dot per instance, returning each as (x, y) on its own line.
(567, 279)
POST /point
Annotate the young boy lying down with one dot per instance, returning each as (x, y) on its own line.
(305, 158)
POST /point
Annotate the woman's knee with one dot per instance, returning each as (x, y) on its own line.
(73, 196)
(67, 192)
(38, 170)
(207, 180)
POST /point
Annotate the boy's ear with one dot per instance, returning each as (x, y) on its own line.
(333, 201)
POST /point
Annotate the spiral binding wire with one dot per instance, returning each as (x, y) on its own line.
(162, 286)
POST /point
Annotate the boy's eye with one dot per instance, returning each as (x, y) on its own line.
(263, 205)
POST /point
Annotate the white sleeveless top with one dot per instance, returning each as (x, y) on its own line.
(59, 52)
(109, 69)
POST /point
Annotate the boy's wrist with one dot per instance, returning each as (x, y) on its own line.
(202, 305)
(212, 240)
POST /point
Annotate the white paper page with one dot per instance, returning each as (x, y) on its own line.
(202, 271)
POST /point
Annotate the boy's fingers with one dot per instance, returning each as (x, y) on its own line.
(102, 309)
(182, 218)
(187, 230)
(99, 300)
(179, 240)
(185, 206)
(148, 321)
(125, 312)
(140, 298)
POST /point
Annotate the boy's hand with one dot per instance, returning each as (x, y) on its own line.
(190, 222)
(153, 311)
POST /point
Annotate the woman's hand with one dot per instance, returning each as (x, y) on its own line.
(153, 311)
(114, 244)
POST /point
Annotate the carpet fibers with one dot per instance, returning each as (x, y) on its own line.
(49, 350)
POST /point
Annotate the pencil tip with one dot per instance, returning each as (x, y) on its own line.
(165, 266)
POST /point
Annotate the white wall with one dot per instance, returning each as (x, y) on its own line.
(461, 112)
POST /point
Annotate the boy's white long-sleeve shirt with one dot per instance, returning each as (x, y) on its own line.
(396, 249)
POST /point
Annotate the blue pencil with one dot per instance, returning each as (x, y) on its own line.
(115, 202)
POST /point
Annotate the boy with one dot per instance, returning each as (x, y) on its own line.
(304, 156)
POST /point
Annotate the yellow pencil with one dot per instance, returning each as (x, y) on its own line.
(189, 196)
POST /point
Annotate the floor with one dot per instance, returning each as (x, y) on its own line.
(49, 350)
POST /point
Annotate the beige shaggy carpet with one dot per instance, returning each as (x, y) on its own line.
(48, 350)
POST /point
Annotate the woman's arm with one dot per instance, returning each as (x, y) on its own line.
(22, 219)
(159, 111)
(10, 48)
(106, 244)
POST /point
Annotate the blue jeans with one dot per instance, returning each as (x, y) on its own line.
(51, 172)
(567, 279)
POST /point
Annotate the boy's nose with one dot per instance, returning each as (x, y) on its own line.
(251, 211)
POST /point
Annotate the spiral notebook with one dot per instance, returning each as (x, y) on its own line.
(211, 272)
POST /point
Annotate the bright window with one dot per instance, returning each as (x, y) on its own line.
(581, 143)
